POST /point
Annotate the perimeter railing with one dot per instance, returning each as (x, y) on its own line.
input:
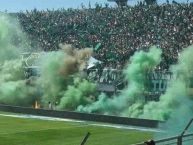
(182, 139)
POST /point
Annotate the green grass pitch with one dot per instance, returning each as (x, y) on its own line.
(20, 131)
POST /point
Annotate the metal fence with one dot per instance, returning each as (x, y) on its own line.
(176, 140)
(182, 139)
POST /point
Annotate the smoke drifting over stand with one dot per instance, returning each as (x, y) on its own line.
(61, 81)
(13, 88)
(132, 96)
(59, 72)
(60, 78)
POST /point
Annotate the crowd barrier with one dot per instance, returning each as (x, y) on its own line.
(82, 116)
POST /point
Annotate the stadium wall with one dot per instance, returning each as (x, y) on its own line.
(82, 116)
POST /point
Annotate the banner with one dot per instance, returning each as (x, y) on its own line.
(158, 81)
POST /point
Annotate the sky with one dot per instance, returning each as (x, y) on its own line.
(22, 5)
(19, 5)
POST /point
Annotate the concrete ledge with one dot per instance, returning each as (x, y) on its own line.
(82, 116)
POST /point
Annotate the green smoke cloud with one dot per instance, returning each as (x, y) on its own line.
(13, 88)
(57, 70)
(178, 92)
(78, 93)
(135, 73)
(51, 81)
(176, 105)
(172, 104)
(12, 84)
(11, 38)
(60, 80)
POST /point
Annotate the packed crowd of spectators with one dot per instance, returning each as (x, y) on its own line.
(114, 33)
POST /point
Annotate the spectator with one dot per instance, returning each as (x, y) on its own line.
(119, 31)
(50, 105)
